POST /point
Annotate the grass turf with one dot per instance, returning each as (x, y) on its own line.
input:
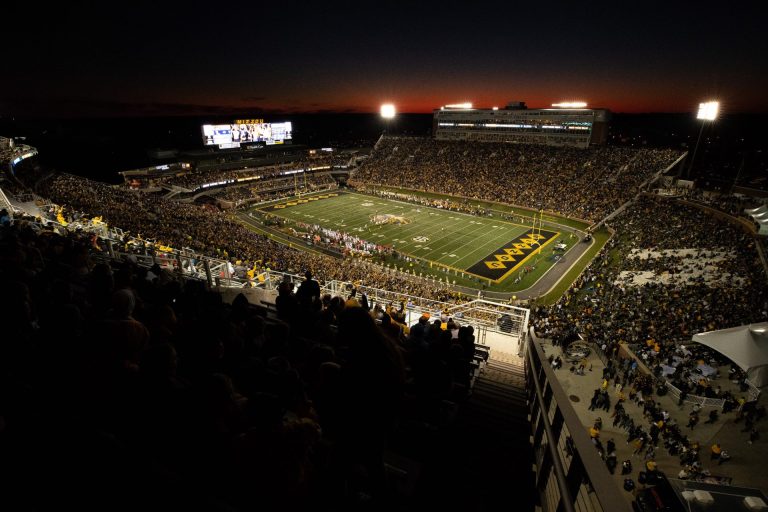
(450, 240)
(497, 207)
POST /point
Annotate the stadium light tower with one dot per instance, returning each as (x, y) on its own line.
(707, 113)
(388, 111)
(570, 104)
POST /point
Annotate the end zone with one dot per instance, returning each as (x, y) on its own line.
(505, 260)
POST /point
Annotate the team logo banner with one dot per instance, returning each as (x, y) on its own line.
(502, 262)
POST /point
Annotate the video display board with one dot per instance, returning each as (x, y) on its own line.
(235, 134)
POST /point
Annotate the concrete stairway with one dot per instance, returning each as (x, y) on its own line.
(484, 460)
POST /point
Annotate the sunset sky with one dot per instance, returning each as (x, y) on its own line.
(142, 58)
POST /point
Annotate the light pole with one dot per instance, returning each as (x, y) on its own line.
(388, 113)
(707, 112)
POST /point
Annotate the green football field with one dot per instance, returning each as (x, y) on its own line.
(485, 247)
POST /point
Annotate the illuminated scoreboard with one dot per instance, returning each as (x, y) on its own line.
(245, 131)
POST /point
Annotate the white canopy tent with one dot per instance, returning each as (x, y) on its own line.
(746, 345)
(759, 215)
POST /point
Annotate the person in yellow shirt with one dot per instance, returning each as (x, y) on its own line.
(716, 451)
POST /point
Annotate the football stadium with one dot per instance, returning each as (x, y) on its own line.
(264, 323)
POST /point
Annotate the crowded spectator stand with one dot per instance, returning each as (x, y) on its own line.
(577, 183)
(218, 392)
(639, 306)
(694, 374)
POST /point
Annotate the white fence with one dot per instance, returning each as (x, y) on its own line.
(488, 315)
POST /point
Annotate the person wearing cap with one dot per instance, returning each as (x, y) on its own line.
(419, 330)
(716, 451)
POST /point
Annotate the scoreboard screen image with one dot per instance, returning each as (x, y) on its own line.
(233, 135)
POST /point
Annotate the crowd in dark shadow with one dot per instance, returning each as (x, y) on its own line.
(126, 387)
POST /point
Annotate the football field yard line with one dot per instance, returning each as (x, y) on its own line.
(468, 215)
(495, 240)
(458, 249)
(503, 236)
(452, 236)
(476, 254)
(430, 227)
(422, 223)
(495, 243)
(487, 248)
(449, 213)
(349, 218)
(406, 232)
(455, 235)
(425, 225)
(462, 230)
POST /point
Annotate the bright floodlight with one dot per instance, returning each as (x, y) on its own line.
(708, 111)
(388, 111)
(460, 105)
(570, 104)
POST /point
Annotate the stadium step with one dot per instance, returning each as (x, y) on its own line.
(484, 459)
